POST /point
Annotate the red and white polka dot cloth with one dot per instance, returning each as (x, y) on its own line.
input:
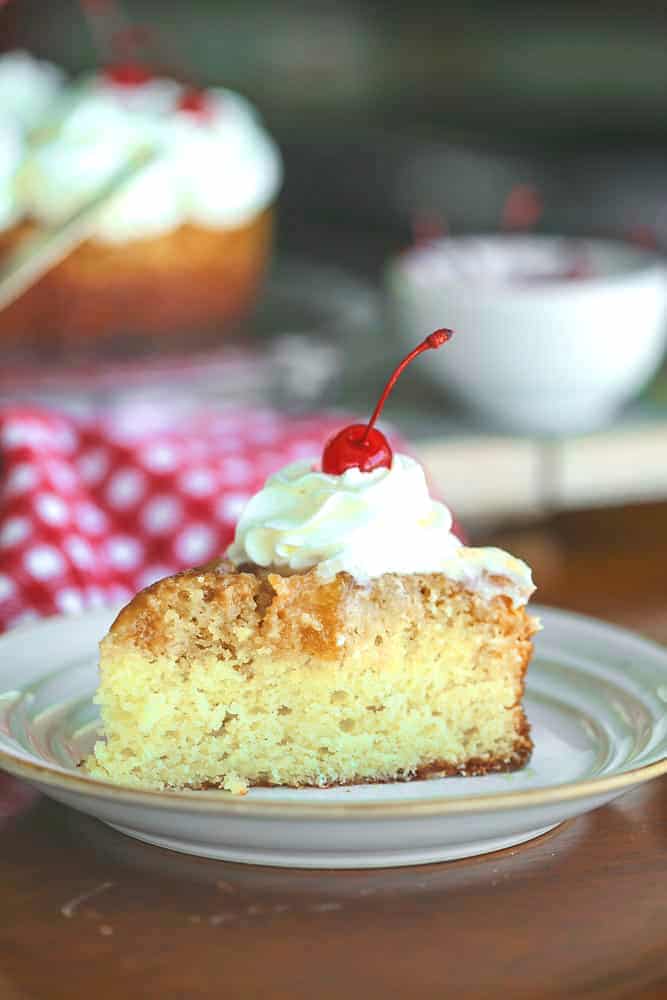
(94, 508)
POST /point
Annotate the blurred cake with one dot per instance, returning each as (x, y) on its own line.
(29, 90)
(182, 247)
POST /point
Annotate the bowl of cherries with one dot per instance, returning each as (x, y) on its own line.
(556, 335)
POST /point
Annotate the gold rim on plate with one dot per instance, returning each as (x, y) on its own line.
(226, 802)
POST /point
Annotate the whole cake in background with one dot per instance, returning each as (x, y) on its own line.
(348, 636)
(182, 247)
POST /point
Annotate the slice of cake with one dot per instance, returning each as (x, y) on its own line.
(233, 678)
(348, 637)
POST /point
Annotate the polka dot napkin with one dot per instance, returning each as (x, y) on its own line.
(93, 508)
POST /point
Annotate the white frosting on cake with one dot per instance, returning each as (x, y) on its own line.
(28, 88)
(220, 170)
(11, 151)
(367, 524)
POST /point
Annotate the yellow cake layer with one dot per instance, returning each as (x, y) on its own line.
(233, 679)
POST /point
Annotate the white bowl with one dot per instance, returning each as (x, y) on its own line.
(550, 356)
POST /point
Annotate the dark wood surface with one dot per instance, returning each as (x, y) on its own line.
(582, 912)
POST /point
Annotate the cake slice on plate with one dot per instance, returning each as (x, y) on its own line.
(348, 637)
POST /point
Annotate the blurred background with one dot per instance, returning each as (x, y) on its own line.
(385, 110)
(402, 129)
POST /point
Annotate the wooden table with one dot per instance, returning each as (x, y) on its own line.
(582, 912)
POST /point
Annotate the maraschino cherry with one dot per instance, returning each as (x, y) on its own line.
(195, 102)
(363, 446)
(127, 64)
(128, 74)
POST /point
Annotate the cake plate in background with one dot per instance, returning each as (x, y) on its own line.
(290, 353)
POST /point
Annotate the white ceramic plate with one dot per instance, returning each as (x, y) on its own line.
(596, 697)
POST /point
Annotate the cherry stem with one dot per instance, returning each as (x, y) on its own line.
(432, 342)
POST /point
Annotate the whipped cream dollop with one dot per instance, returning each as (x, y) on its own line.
(220, 169)
(28, 88)
(11, 152)
(367, 524)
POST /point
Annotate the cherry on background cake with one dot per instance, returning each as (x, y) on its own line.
(183, 246)
(348, 636)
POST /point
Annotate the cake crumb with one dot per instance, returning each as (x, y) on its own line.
(224, 886)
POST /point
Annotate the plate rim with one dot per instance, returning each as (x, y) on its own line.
(222, 802)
